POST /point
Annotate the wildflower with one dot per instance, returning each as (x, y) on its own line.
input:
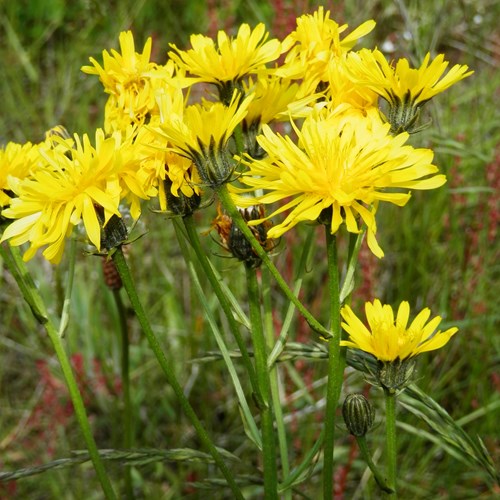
(76, 184)
(315, 43)
(340, 169)
(390, 339)
(124, 76)
(405, 89)
(132, 80)
(16, 162)
(226, 63)
(201, 133)
(343, 88)
(274, 99)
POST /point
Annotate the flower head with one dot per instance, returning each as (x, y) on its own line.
(201, 132)
(228, 61)
(80, 183)
(390, 338)
(315, 43)
(406, 89)
(341, 166)
(124, 75)
(16, 162)
(131, 80)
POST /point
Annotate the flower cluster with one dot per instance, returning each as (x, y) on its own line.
(308, 125)
(340, 158)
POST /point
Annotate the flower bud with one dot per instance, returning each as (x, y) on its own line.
(358, 414)
(181, 205)
(394, 376)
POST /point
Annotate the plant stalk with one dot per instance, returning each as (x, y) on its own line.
(266, 412)
(121, 265)
(234, 213)
(128, 429)
(390, 439)
(30, 293)
(223, 301)
(336, 363)
(379, 478)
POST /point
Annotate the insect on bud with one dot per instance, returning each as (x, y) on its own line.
(234, 241)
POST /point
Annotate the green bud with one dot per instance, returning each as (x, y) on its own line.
(215, 166)
(358, 414)
(395, 375)
(181, 205)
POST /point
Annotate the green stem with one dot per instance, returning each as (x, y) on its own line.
(65, 313)
(195, 272)
(390, 436)
(221, 296)
(266, 413)
(280, 344)
(361, 440)
(128, 429)
(274, 379)
(121, 265)
(30, 293)
(235, 215)
(336, 364)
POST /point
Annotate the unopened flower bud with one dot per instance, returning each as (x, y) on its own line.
(358, 414)
(181, 204)
(395, 375)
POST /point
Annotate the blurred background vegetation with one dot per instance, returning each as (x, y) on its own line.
(441, 252)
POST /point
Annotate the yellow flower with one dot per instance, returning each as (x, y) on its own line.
(123, 74)
(316, 42)
(131, 81)
(163, 169)
(392, 339)
(201, 132)
(78, 184)
(273, 99)
(342, 88)
(406, 89)
(228, 61)
(340, 167)
(16, 162)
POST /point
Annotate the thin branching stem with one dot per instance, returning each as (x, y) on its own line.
(266, 410)
(390, 440)
(30, 293)
(234, 213)
(379, 478)
(274, 379)
(128, 429)
(336, 363)
(221, 296)
(121, 265)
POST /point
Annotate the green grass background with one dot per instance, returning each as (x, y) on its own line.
(441, 252)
